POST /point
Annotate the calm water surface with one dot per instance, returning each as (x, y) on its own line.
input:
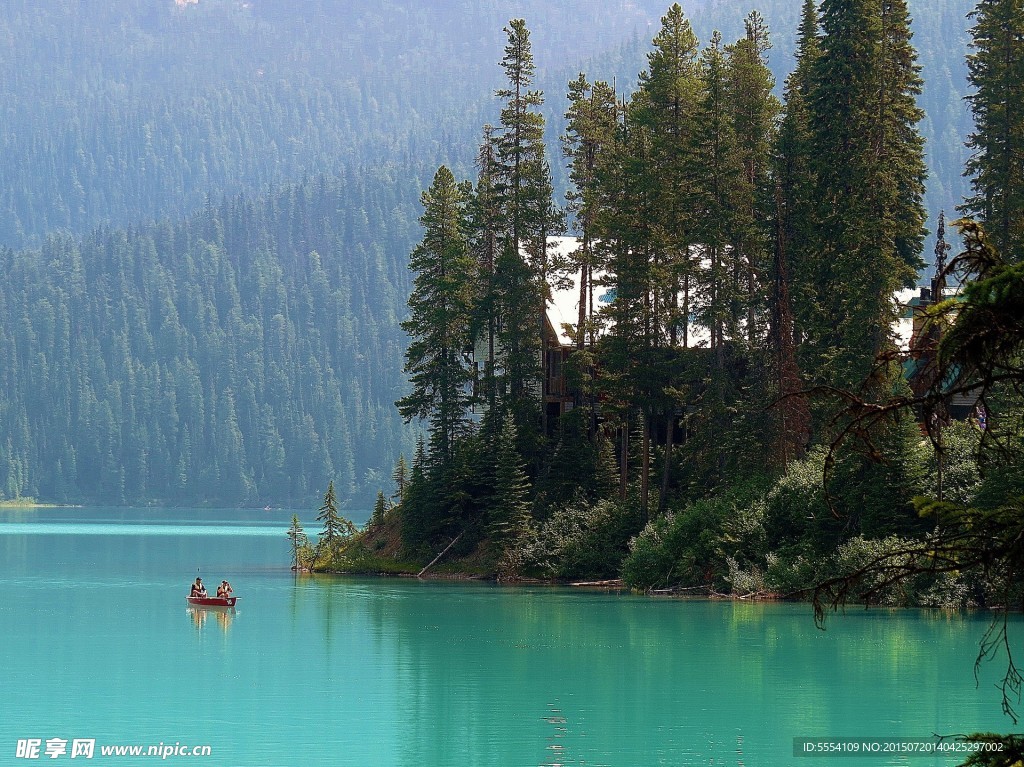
(97, 643)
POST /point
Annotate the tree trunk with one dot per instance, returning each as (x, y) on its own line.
(645, 477)
(624, 459)
(670, 424)
(584, 290)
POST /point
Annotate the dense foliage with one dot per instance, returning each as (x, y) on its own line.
(243, 356)
(752, 249)
(117, 115)
(673, 195)
(133, 111)
(127, 112)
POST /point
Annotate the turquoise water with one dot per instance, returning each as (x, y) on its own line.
(97, 644)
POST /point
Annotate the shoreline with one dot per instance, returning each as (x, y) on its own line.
(34, 505)
(683, 594)
(607, 585)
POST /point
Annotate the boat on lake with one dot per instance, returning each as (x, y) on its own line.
(211, 601)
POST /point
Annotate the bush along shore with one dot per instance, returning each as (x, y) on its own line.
(728, 409)
(761, 538)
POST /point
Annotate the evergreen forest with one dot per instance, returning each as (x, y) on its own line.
(181, 180)
(121, 113)
(238, 357)
(741, 413)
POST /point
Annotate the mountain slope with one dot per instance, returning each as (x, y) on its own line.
(244, 356)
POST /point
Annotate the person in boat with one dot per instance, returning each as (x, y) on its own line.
(224, 589)
(198, 589)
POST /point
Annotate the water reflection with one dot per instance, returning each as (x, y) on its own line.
(222, 615)
(428, 674)
(563, 678)
(556, 742)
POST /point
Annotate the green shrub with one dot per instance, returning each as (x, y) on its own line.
(792, 569)
(745, 581)
(585, 540)
(689, 548)
(961, 477)
(795, 505)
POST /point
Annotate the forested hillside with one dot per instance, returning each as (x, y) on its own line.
(120, 115)
(129, 112)
(122, 112)
(244, 356)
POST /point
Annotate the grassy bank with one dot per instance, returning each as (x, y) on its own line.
(378, 550)
(25, 503)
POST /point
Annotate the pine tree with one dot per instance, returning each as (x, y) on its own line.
(419, 509)
(590, 134)
(380, 507)
(716, 186)
(299, 544)
(900, 146)
(510, 519)
(484, 224)
(605, 476)
(793, 218)
(996, 72)
(523, 188)
(336, 527)
(661, 120)
(870, 178)
(638, 358)
(441, 308)
(754, 114)
(795, 178)
(624, 227)
(669, 92)
(401, 478)
(647, 226)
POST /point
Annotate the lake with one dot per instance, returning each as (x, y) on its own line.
(98, 645)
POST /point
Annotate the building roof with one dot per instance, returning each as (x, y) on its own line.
(563, 306)
(564, 298)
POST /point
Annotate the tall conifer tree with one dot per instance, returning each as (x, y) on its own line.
(523, 188)
(870, 180)
(996, 71)
(899, 144)
(717, 185)
(669, 92)
(484, 225)
(626, 224)
(440, 306)
(419, 508)
(754, 113)
(510, 510)
(299, 543)
(336, 527)
(669, 95)
(795, 177)
(793, 218)
(400, 475)
(590, 135)
(588, 141)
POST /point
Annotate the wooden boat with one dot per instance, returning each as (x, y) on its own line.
(211, 601)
